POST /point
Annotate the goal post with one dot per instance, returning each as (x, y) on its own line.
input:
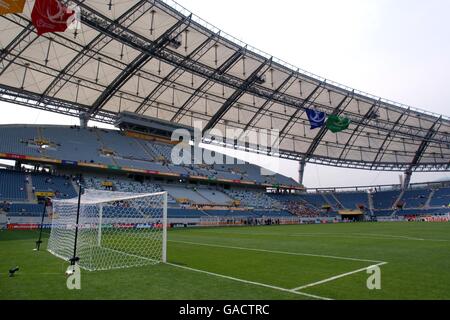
(115, 229)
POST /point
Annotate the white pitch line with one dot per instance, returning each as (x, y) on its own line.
(250, 282)
(337, 277)
(35, 273)
(400, 237)
(338, 235)
(276, 252)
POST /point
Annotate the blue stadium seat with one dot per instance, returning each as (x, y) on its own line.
(61, 186)
(12, 185)
(25, 210)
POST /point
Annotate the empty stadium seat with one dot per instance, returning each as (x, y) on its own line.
(25, 210)
(113, 148)
(61, 186)
(415, 198)
(12, 185)
(351, 200)
(253, 198)
(441, 197)
(385, 199)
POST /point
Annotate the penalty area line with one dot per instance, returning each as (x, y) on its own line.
(275, 251)
(337, 277)
(250, 282)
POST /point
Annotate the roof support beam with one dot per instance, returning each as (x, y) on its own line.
(176, 72)
(269, 102)
(228, 64)
(301, 171)
(96, 44)
(237, 95)
(97, 21)
(380, 151)
(321, 134)
(301, 108)
(138, 63)
(425, 143)
(21, 42)
(32, 100)
(361, 125)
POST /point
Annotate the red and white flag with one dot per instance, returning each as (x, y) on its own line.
(11, 6)
(51, 16)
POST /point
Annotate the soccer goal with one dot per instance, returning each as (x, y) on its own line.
(114, 230)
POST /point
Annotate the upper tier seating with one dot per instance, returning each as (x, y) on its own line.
(251, 172)
(125, 147)
(12, 185)
(15, 140)
(160, 150)
(74, 144)
(113, 148)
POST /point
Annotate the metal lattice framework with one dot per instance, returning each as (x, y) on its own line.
(155, 58)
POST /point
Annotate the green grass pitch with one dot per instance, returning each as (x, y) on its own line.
(325, 261)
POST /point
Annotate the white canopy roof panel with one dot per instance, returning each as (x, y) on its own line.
(154, 58)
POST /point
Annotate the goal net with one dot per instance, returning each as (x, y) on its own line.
(115, 229)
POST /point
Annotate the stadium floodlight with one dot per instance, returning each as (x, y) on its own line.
(114, 230)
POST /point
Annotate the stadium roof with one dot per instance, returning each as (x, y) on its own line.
(155, 58)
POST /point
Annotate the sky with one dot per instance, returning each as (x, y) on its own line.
(398, 50)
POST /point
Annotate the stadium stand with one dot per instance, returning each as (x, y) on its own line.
(114, 148)
(120, 184)
(352, 200)
(61, 186)
(25, 209)
(253, 198)
(12, 185)
(441, 197)
(15, 139)
(194, 197)
(385, 199)
(125, 147)
(160, 151)
(315, 199)
(415, 198)
(74, 144)
(252, 202)
(215, 196)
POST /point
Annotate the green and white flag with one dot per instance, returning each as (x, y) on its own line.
(337, 124)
